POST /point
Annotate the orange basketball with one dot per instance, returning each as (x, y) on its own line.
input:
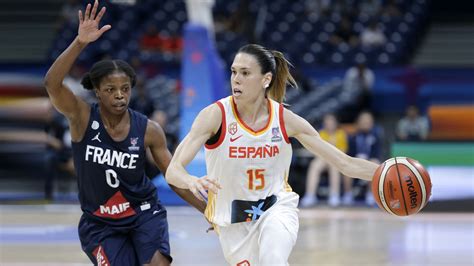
(401, 186)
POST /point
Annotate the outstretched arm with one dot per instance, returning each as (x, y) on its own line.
(156, 140)
(62, 98)
(353, 167)
(205, 125)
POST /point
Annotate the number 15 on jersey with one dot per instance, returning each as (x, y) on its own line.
(256, 179)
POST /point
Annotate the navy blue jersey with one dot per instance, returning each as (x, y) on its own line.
(366, 145)
(113, 186)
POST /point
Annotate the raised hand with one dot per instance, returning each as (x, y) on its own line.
(89, 24)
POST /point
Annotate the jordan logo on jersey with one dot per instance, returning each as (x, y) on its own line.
(116, 207)
(96, 137)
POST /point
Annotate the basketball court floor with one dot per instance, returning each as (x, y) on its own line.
(47, 235)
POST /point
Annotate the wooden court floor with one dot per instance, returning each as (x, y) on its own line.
(47, 235)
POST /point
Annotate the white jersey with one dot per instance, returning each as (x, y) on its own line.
(251, 166)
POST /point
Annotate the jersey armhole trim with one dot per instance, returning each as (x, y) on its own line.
(282, 124)
(223, 127)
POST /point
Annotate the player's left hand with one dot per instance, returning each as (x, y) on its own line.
(89, 24)
(200, 186)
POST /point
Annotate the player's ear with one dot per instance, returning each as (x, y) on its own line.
(96, 90)
(267, 78)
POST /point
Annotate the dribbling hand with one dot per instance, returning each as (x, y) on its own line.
(200, 186)
(89, 24)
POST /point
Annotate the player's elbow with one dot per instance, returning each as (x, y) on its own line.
(48, 83)
(172, 176)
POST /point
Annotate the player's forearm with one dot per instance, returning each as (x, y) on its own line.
(189, 197)
(60, 68)
(177, 176)
(359, 168)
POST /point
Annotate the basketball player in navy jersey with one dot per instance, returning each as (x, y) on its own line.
(123, 222)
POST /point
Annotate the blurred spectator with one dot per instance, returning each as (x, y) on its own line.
(49, 135)
(360, 78)
(413, 127)
(154, 41)
(344, 33)
(338, 138)
(372, 36)
(365, 144)
(141, 100)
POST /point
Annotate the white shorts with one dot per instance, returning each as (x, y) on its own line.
(266, 241)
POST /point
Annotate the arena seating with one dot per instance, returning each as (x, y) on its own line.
(287, 26)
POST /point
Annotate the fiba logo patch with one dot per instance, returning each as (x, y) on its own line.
(134, 147)
(233, 128)
(276, 136)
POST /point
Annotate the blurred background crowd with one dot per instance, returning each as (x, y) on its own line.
(378, 78)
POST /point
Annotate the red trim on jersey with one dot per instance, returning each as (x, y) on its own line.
(282, 124)
(223, 128)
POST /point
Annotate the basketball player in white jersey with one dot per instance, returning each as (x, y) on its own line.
(248, 155)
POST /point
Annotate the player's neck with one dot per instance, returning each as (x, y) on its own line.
(250, 112)
(112, 121)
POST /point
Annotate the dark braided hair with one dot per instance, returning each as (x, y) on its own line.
(103, 68)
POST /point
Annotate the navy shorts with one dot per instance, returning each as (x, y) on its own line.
(132, 244)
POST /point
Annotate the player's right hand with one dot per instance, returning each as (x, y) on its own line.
(200, 186)
(89, 24)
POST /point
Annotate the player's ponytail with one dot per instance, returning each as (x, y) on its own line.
(281, 78)
(275, 63)
(87, 82)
